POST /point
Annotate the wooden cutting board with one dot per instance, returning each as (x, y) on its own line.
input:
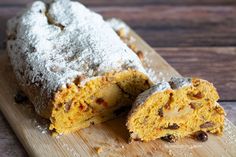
(106, 139)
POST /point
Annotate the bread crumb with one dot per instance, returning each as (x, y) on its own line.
(121, 32)
(99, 150)
(170, 152)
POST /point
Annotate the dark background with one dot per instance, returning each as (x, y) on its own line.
(197, 37)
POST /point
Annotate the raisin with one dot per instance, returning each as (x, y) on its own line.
(201, 136)
(172, 85)
(207, 125)
(60, 26)
(167, 105)
(20, 97)
(101, 101)
(192, 106)
(174, 126)
(79, 79)
(160, 112)
(146, 83)
(81, 107)
(169, 138)
(137, 139)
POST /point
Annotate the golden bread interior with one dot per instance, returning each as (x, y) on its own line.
(100, 99)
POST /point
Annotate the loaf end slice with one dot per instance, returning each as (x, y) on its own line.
(176, 109)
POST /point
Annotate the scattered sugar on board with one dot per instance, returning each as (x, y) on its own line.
(41, 124)
(68, 148)
(231, 137)
(155, 76)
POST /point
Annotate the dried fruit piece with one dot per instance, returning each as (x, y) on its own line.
(20, 97)
(160, 112)
(140, 55)
(79, 79)
(199, 95)
(134, 137)
(60, 26)
(219, 110)
(84, 107)
(174, 126)
(207, 125)
(192, 106)
(101, 101)
(167, 105)
(169, 138)
(201, 136)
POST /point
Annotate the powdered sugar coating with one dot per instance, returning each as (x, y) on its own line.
(146, 94)
(57, 41)
(174, 83)
(179, 82)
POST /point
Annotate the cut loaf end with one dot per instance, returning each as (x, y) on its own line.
(100, 99)
(178, 108)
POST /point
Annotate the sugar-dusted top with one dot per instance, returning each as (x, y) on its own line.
(52, 43)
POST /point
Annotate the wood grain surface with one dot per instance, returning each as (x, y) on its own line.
(134, 2)
(216, 64)
(110, 137)
(167, 26)
(189, 34)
